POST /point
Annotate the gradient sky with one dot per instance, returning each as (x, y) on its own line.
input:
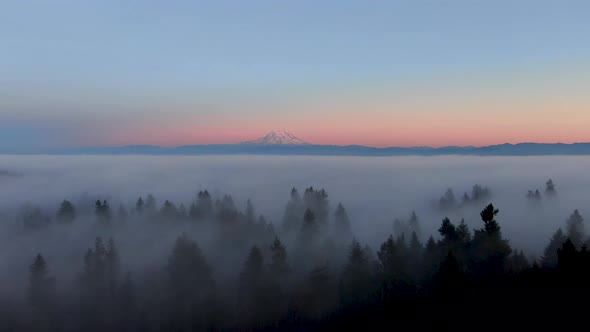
(380, 73)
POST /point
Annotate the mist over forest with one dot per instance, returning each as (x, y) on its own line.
(257, 242)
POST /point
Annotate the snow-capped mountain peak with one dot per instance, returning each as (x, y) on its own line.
(278, 137)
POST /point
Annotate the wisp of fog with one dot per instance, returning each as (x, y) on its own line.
(377, 196)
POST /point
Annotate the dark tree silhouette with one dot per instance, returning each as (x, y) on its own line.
(191, 287)
(392, 259)
(479, 193)
(227, 213)
(342, 229)
(550, 188)
(463, 233)
(279, 267)
(253, 270)
(414, 224)
(102, 211)
(66, 212)
(549, 259)
(256, 294)
(488, 217)
(309, 228)
(465, 199)
(447, 201)
(320, 295)
(448, 231)
(139, 205)
(575, 229)
(466, 271)
(317, 202)
(41, 285)
(490, 250)
(41, 295)
(355, 286)
(293, 212)
(169, 211)
(150, 204)
(201, 208)
(450, 276)
(31, 218)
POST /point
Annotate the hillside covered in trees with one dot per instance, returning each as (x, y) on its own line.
(213, 266)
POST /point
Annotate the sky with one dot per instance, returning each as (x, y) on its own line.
(378, 73)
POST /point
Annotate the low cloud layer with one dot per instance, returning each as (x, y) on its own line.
(374, 190)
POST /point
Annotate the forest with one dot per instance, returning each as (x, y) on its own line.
(226, 268)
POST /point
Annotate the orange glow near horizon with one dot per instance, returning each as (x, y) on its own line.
(554, 109)
(418, 129)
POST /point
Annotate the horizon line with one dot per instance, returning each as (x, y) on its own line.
(41, 150)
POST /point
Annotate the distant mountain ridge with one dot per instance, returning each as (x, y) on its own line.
(521, 149)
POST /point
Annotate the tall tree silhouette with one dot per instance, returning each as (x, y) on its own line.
(575, 229)
(293, 212)
(150, 204)
(41, 285)
(41, 293)
(309, 228)
(549, 258)
(342, 231)
(447, 201)
(66, 212)
(550, 188)
(463, 233)
(190, 284)
(355, 286)
(414, 224)
(489, 248)
(278, 266)
(392, 259)
(317, 201)
(102, 211)
(169, 211)
(203, 206)
(139, 205)
(255, 296)
(450, 276)
(227, 213)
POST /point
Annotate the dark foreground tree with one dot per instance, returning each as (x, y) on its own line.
(356, 280)
(278, 266)
(575, 229)
(191, 287)
(41, 295)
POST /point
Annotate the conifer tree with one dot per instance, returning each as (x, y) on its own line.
(41, 285)
(489, 248)
(66, 212)
(278, 266)
(550, 188)
(392, 259)
(342, 230)
(463, 233)
(293, 212)
(356, 278)
(139, 205)
(549, 259)
(309, 228)
(575, 229)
